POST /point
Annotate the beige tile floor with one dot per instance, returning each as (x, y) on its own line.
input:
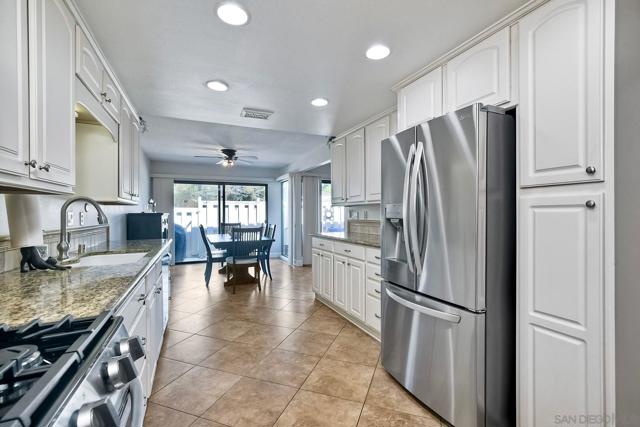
(270, 357)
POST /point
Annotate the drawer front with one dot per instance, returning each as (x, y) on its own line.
(374, 287)
(373, 312)
(324, 244)
(346, 249)
(139, 328)
(373, 255)
(135, 302)
(153, 275)
(373, 272)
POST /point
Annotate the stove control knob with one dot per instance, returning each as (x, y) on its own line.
(96, 414)
(132, 347)
(120, 370)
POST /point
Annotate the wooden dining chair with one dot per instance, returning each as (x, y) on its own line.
(245, 251)
(226, 227)
(212, 256)
(265, 253)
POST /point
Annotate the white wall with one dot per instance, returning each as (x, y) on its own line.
(50, 209)
(165, 173)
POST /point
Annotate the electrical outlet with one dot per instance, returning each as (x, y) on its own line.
(69, 218)
(82, 215)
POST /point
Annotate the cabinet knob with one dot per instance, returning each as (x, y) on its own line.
(46, 167)
(31, 163)
(591, 204)
(108, 100)
(590, 170)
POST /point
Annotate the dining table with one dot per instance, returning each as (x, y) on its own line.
(225, 242)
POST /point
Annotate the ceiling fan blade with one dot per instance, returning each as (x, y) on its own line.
(242, 156)
(219, 162)
(242, 161)
(210, 157)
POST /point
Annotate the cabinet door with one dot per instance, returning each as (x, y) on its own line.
(561, 85)
(373, 312)
(327, 276)
(316, 268)
(338, 164)
(111, 98)
(52, 76)
(356, 288)
(124, 152)
(14, 88)
(88, 67)
(420, 100)
(480, 74)
(340, 281)
(373, 136)
(355, 166)
(135, 159)
(561, 307)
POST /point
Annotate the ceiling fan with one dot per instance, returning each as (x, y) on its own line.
(228, 157)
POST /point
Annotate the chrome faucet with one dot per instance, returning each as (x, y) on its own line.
(63, 244)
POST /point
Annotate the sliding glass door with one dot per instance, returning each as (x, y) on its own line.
(284, 230)
(209, 205)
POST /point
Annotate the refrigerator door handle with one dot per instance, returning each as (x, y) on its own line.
(453, 318)
(423, 184)
(405, 206)
(413, 230)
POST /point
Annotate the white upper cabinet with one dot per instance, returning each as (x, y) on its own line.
(135, 160)
(480, 74)
(373, 135)
(338, 171)
(420, 100)
(14, 89)
(125, 143)
(52, 95)
(561, 306)
(88, 66)
(561, 84)
(110, 96)
(355, 166)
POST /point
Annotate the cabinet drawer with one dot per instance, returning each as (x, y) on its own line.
(373, 272)
(139, 328)
(374, 287)
(153, 275)
(324, 244)
(135, 302)
(349, 250)
(373, 255)
(373, 312)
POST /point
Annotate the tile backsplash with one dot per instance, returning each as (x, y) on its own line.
(89, 236)
(364, 227)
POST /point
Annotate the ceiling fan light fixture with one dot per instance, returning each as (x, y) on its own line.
(227, 163)
(232, 13)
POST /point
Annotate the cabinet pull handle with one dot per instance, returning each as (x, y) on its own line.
(377, 274)
(376, 257)
(46, 167)
(103, 94)
(31, 163)
(377, 291)
(377, 315)
(348, 251)
(591, 204)
(141, 297)
(590, 170)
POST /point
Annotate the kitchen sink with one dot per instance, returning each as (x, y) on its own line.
(109, 259)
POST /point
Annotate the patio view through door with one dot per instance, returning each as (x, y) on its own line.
(210, 204)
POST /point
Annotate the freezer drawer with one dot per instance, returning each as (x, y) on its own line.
(437, 353)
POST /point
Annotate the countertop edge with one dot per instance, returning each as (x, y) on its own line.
(346, 240)
(139, 276)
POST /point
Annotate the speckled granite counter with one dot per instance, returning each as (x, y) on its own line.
(81, 291)
(355, 238)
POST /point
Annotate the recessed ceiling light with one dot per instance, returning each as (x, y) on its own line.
(218, 85)
(378, 51)
(319, 102)
(232, 13)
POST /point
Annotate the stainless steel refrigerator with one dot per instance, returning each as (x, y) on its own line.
(448, 263)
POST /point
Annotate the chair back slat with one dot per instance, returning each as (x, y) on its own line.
(226, 227)
(247, 242)
(205, 241)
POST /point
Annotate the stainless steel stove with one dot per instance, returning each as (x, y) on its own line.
(70, 373)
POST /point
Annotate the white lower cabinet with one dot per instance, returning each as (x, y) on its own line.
(356, 288)
(561, 300)
(340, 280)
(344, 280)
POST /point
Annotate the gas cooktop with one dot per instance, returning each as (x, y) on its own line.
(42, 363)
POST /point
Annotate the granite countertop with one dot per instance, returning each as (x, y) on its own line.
(356, 238)
(80, 291)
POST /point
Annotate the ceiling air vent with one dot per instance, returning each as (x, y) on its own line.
(254, 113)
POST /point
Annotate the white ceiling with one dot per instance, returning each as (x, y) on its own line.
(290, 52)
(179, 140)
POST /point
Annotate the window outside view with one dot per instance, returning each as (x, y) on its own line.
(331, 217)
(196, 204)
